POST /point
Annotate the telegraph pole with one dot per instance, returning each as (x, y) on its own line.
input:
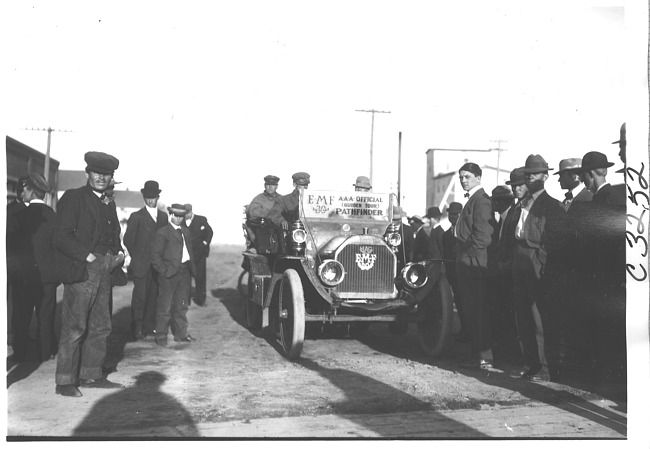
(498, 150)
(399, 170)
(372, 131)
(46, 168)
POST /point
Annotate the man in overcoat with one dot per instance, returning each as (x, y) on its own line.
(140, 232)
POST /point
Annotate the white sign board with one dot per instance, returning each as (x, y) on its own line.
(346, 205)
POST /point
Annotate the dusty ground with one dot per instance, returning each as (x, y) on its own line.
(232, 383)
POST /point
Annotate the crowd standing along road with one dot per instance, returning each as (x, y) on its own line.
(235, 383)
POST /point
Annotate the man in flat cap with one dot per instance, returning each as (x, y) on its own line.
(262, 204)
(88, 249)
(570, 180)
(140, 232)
(35, 288)
(535, 236)
(362, 184)
(473, 236)
(172, 257)
(201, 234)
(285, 209)
(264, 234)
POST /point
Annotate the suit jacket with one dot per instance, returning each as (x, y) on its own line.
(611, 195)
(543, 227)
(420, 244)
(139, 236)
(201, 233)
(35, 237)
(167, 251)
(474, 228)
(584, 195)
(76, 231)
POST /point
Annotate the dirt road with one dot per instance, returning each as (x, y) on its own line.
(232, 383)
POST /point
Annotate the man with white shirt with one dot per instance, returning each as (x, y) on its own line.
(138, 239)
(173, 258)
(541, 217)
(569, 179)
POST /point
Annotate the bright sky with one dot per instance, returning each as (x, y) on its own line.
(209, 97)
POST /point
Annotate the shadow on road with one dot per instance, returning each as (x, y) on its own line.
(233, 302)
(120, 335)
(132, 410)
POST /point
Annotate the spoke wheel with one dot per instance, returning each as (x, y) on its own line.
(435, 319)
(291, 314)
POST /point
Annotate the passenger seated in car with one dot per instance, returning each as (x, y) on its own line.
(263, 233)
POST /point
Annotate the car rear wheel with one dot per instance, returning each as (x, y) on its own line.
(435, 317)
(291, 314)
(242, 284)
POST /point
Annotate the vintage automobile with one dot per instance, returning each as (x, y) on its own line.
(342, 261)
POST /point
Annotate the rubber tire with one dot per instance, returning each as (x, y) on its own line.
(242, 284)
(292, 328)
(433, 331)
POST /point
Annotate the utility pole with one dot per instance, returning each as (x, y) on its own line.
(372, 131)
(399, 170)
(46, 168)
(498, 150)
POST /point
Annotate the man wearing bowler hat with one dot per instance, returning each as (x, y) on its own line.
(201, 233)
(536, 237)
(473, 236)
(172, 257)
(88, 249)
(594, 173)
(35, 287)
(362, 184)
(140, 232)
(570, 180)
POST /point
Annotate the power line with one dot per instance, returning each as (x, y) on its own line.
(46, 168)
(372, 131)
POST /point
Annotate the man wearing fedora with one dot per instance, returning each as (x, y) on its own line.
(362, 184)
(201, 233)
(172, 257)
(140, 232)
(535, 257)
(473, 236)
(88, 249)
(570, 180)
(35, 287)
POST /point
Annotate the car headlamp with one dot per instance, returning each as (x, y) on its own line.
(415, 275)
(394, 239)
(331, 272)
(299, 236)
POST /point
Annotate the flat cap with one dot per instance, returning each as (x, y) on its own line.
(177, 209)
(569, 164)
(99, 162)
(271, 180)
(38, 182)
(455, 208)
(301, 178)
(501, 192)
(517, 177)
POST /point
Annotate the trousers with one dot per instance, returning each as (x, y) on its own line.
(143, 303)
(172, 304)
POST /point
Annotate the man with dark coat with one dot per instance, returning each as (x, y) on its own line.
(140, 231)
(36, 286)
(569, 179)
(473, 236)
(87, 240)
(535, 234)
(201, 233)
(172, 257)
(425, 248)
(286, 208)
(449, 254)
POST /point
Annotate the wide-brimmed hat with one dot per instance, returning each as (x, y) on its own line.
(501, 192)
(177, 209)
(101, 163)
(622, 134)
(150, 189)
(454, 208)
(301, 178)
(517, 177)
(594, 160)
(569, 164)
(271, 180)
(433, 212)
(363, 182)
(416, 218)
(535, 164)
(188, 207)
(38, 182)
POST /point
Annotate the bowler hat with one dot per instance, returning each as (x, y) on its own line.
(177, 209)
(301, 178)
(271, 180)
(569, 164)
(501, 192)
(102, 163)
(454, 208)
(433, 212)
(535, 164)
(594, 160)
(38, 182)
(150, 190)
(517, 177)
(363, 182)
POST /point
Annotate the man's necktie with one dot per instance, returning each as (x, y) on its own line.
(466, 195)
(568, 197)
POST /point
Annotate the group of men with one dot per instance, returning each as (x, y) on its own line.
(80, 247)
(529, 269)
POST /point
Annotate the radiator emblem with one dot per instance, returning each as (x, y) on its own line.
(366, 260)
